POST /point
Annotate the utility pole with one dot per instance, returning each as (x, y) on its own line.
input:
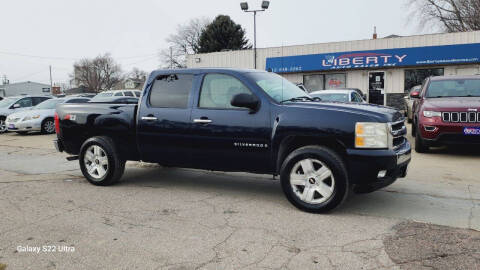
(171, 57)
(51, 85)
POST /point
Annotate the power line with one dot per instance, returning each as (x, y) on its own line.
(71, 58)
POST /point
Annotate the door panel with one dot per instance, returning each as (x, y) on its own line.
(164, 121)
(228, 138)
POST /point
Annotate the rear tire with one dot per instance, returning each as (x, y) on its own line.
(314, 179)
(100, 161)
(420, 145)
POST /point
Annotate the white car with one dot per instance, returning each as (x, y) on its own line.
(117, 93)
(39, 118)
(338, 96)
(10, 105)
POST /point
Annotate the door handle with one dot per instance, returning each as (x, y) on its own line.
(149, 118)
(202, 121)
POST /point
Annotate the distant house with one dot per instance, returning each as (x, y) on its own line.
(24, 88)
(134, 83)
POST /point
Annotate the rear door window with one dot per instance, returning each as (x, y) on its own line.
(128, 94)
(171, 91)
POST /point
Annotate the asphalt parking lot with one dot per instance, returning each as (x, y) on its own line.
(168, 218)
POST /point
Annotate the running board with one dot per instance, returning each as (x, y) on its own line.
(72, 158)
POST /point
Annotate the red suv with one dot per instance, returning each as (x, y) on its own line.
(446, 111)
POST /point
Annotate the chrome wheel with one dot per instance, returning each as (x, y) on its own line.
(3, 126)
(312, 181)
(96, 162)
(49, 127)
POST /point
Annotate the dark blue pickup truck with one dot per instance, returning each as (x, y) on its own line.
(241, 120)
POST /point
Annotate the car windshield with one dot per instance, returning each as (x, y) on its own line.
(277, 87)
(48, 104)
(6, 102)
(337, 97)
(454, 88)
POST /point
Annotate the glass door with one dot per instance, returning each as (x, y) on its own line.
(376, 87)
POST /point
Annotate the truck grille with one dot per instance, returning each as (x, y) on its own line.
(398, 131)
(463, 117)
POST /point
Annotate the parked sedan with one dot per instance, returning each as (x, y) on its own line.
(40, 117)
(11, 105)
(338, 96)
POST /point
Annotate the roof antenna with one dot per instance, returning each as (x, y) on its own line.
(375, 32)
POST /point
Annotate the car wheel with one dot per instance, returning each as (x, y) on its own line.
(48, 126)
(3, 126)
(100, 162)
(420, 145)
(314, 179)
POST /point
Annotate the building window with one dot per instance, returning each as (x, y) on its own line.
(318, 82)
(414, 77)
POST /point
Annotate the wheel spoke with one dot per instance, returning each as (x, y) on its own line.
(92, 169)
(96, 150)
(297, 179)
(307, 166)
(101, 170)
(324, 190)
(103, 160)
(89, 156)
(308, 193)
(323, 173)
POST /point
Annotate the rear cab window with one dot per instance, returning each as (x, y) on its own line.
(171, 91)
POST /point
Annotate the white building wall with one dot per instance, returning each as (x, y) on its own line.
(244, 59)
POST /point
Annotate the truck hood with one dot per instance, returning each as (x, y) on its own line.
(452, 103)
(377, 112)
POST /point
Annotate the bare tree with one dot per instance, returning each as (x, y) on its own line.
(184, 41)
(137, 73)
(451, 15)
(100, 73)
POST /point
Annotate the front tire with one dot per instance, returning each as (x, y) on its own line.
(48, 126)
(314, 179)
(3, 125)
(100, 161)
(420, 145)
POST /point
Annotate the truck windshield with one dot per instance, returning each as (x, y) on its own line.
(454, 88)
(6, 102)
(277, 87)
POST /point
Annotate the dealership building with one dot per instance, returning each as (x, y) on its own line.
(384, 68)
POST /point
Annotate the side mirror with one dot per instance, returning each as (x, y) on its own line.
(16, 106)
(245, 101)
(415, 94)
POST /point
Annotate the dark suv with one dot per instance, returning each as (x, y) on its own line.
(447, 111)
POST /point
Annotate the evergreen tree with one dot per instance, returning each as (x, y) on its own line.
(222, 34)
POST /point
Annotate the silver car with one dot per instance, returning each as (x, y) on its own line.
(338, 96)
(409, 102)
(11, 105)
(40, 117)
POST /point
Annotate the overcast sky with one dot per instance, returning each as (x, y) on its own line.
(36, 34)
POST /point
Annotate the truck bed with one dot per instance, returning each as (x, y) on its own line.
(78, 122)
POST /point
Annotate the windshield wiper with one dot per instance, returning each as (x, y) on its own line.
(302, 98)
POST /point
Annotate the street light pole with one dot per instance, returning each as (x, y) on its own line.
(244, 7)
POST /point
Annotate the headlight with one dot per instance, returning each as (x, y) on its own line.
(431, 114)
(371, 135)
(27, 118)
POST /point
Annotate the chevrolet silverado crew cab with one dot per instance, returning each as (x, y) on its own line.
(240, 120)
(447, 111)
